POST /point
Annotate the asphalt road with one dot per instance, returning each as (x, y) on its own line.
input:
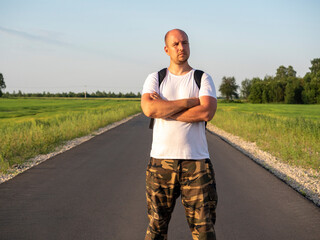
(97, 191)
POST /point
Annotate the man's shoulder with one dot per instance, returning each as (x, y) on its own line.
(153, 75)
(207, 75)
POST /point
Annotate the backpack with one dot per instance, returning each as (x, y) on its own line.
(162, 74)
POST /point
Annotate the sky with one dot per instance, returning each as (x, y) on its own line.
(68, 45)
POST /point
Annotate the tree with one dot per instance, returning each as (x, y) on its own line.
(245, 88)
(293, 91)
(228, 87)
(283, 72)
(291, 72)
(315, 68)
(277, 87)
(311, 92)
(2, 84)
(257, 91)
(276, 90)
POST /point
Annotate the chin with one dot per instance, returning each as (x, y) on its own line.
(181, 62)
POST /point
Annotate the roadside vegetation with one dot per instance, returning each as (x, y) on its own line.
(33, 126)
(97, 94)
(289, 132)
(284, 87)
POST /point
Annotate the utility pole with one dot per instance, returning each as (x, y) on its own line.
(85, 91)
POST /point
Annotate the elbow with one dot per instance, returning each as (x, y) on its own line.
(148, 112)
(211, 110)
(208, 116)
(146, 109)
(207, 119)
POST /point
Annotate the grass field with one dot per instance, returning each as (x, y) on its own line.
(290, 132)
(29, 127)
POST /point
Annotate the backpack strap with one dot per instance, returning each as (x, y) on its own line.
(197, 77)
(161, 75)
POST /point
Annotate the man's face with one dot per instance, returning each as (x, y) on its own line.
(177, 47)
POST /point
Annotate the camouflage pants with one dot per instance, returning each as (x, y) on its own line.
(194, 180)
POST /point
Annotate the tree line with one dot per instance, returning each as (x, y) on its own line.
(97, 94)
(284, 87)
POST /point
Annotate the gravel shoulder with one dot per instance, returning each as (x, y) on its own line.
(304, 181)
(17, 169)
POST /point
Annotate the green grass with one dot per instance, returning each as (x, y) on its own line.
(289, 132)
(33, 126)
(311, 112)
(29, 127)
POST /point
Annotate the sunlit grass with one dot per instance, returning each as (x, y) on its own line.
(29, 127)
(290, 132)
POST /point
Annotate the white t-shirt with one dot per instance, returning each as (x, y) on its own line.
(175, 139)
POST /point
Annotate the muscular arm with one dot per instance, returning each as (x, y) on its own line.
(153, 106)
(203, 112)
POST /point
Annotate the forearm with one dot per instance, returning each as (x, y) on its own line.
(163, 109)
(195, 114)
(155, 107)
(202, 112)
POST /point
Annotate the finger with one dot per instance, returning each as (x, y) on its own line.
(153, 96)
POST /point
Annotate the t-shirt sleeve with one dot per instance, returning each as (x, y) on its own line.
(207, 86)
(151, 84)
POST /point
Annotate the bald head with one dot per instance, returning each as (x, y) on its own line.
(172, 32)
(177, 47)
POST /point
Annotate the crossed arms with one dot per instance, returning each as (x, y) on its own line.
(184, 110)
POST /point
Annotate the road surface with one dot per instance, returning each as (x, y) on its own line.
(97, 191)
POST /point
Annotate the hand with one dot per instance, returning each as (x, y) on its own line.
(155, 96)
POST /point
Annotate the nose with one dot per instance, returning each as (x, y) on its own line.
(181, 47)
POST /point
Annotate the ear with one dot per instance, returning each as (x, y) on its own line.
(166, 49)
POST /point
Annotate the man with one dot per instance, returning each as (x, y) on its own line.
(179, 163)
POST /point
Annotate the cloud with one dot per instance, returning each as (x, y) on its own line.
(34, 37)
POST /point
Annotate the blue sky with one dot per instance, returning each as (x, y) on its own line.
(69, 45)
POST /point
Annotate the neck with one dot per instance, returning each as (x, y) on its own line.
(179, 69)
